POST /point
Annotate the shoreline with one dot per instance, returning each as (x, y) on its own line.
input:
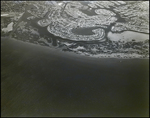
(79, 55)
(43, 81)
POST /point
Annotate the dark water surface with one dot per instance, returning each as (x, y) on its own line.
(41, 81)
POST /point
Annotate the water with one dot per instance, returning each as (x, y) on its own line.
(42, 81)
(76, 62)
(103, 34)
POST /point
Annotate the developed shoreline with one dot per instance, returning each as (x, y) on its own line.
(82, 55)
(43, 75)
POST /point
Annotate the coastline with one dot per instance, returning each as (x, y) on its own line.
(43, 81)
(83, 55)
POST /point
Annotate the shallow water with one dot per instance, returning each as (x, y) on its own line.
(128, 36)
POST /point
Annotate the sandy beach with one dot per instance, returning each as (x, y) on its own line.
(43, 81)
